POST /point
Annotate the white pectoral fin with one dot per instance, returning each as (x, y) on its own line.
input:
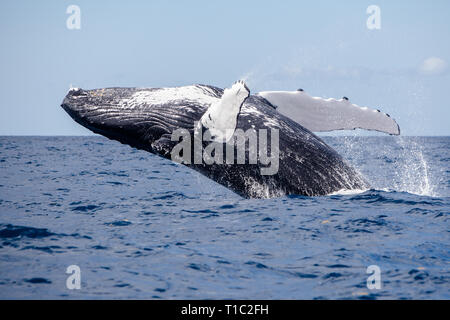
(221, 117)
(318, 114)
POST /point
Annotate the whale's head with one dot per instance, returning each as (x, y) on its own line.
(130, 116)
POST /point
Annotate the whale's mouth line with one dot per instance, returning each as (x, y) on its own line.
(110, 134)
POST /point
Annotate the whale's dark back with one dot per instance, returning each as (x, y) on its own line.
(307, 165)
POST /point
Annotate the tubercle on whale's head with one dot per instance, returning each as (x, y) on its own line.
(75, 103)
(106, 112)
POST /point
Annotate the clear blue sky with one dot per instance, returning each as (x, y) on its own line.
(323, 47)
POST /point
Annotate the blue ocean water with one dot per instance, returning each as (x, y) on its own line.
(139, 226)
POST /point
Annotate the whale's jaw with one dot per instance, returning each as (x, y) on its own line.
(108, 112)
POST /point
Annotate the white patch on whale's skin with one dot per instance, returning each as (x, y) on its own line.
(73, 89)
(267, 121)
(221, 116)
(262, 191)
(346, 192)
(193, 94)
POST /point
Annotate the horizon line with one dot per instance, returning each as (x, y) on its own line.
(98, 135)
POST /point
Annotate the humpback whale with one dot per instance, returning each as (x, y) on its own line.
(148, 118)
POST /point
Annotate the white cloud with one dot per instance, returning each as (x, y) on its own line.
(432, 66)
